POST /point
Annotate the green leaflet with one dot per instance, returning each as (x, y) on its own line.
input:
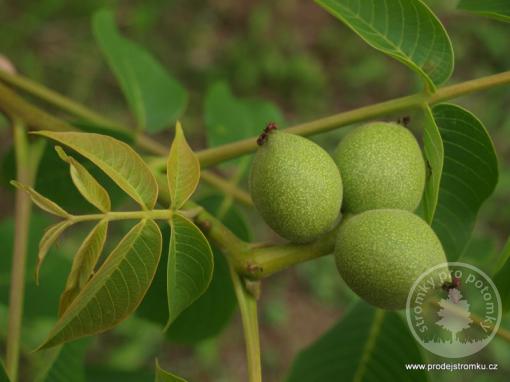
(367, 344)
(469, 176)
(117, 288)
(41, 201)
(50, 236)
(405, 30)
(183, 170)
(66, 363)
(117, 159)
(434, 155)
(166, 376)
(229, 119)
(156, 98)
(218, 301)
(83, 264)
(190, 265)
(496, 9)
(88, 186)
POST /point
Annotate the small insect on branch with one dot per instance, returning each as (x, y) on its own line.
(265, 133)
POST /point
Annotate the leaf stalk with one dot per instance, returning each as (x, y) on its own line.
(124, 215)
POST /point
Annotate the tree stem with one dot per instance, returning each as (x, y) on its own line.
(209, 157)
(248, 309)
(262, 261)
(22, 226)
(58, 100)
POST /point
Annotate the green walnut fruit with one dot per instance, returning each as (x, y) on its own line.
(382, 166)
(381, 253)
(296, 186)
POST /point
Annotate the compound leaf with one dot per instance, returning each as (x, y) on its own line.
(183, 170)
(367, 344)
(496, 9)
(41, 201)
(190, 265)
(83, 264)
(117, 288)
(50, 236)
(117, 159)
(86, 184)
(156, 98)
(405, 30)
(469, 176)
(166, 376)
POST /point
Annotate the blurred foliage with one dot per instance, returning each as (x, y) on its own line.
(289, 53)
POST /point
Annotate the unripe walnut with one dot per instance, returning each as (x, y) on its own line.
(295, 186)
(382, 166)
(381, 253)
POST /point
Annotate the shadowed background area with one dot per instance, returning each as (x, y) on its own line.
(304, 64)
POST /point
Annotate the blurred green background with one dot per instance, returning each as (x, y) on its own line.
(291, 53)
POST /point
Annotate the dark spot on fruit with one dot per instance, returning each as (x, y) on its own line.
(455, 283)
(404, 121)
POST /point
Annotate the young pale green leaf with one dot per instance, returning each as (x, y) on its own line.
(190, 265)
(367, 344)
(117, 159)
(53, 180)
(84, 263)
(182, 170)
(41, 201)
(469, 176)
(155, 97)
(405, 30)
(166, 376)
(117, 288)
(502, 277)
(496, 9)
(49, 237)
(86, 184)
(65, 363)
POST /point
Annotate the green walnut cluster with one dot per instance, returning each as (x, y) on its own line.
(296, 186)
(382, 247)
(382, 166)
